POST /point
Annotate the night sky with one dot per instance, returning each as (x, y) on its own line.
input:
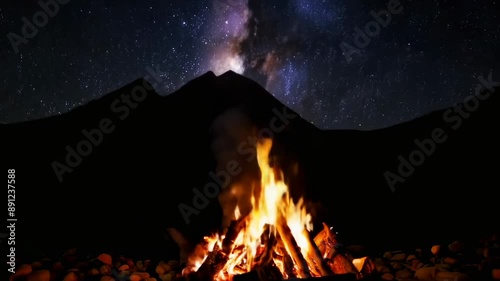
(427, 57)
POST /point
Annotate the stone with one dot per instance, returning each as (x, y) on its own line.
(106, 259)
(71, 276)
(57, 267)
(387, 276)
(168, 277)
(93, 272)
(416, 264)
(387, 255)
(107, 278)
(399, 257)
(426, 273)
(167, 267)
(379, 261)
(139, 265)
(495, 274)
(36, 265)
(450, 261)
(435, 249)
(39, 275)
(404, 274)
(173, 263)
(451, 276)
(160, 270)
(410, 258)
(124, 267)
(397, 265)
(456, 247)
(105, 270)
(382, 269)
(21, 271)
(135, 277)
(142, 275)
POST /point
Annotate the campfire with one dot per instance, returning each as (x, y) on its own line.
(273, 241)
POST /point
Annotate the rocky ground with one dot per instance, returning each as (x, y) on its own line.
(453, 262)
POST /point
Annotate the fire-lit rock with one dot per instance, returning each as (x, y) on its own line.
(426, 273)
(495, 274)
(450, 261)
(107, 278)
(105, 270)
(93, 272)
(403, 274)
(71, 276)
(387, 276)
(106, 259)
(22, 270)
(456, 247)
(39, 275)
(435, 249)
(454, 276)
(124, 267)
(398, 257)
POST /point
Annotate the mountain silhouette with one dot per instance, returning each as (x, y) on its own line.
(111, 174)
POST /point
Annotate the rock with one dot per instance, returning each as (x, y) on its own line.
(416, 264)
(36, 265)
(106, 259)
(387, 255)
(135, 277)
(150, 279)
(168, 277)
(450, 261)
(139, 265)
(39, 275)
(399, 257)
(456, 247)
(495, 274)
(71, 276)
(93, 272)
(105, 270)
(57, 267)
(166, 267)
(173, 264)
(107, 278)
(410, 258)
(397, 265)
(443, 266)
(379, 261)
(451, 276)
(426, 273)
(435, 249)
(142, 275)
(124, 267)
(21, 271)
(418, 252)
(160, 270)
(404, 274)
(382, 269)
(387, 276)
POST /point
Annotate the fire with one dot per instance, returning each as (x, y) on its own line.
(275, 234)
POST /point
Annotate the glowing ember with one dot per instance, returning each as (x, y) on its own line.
(275, 235)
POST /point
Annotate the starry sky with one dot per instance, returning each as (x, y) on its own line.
(428, 56)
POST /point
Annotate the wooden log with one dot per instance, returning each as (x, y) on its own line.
(232, 233)
(254, 276)
(292, 247)
(315, 255)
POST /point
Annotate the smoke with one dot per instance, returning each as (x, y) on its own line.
(232, 133)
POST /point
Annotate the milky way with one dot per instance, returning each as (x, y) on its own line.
(428, 56)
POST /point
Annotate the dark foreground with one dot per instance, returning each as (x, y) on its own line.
(455, 261)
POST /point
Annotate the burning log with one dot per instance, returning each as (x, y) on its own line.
(315, 255)
(213, 264)
(232, 233)
(292, 247)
